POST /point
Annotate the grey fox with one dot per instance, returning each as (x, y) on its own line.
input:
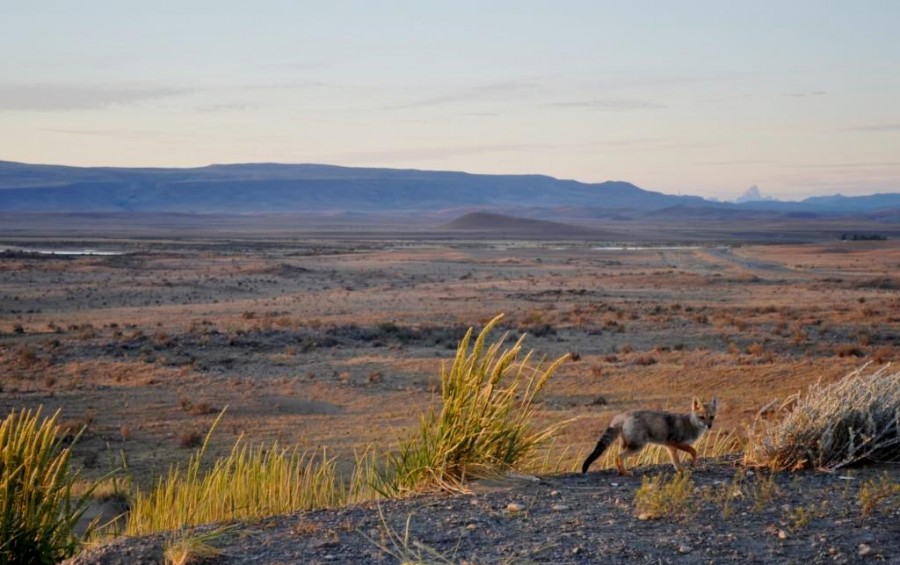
(638, 428)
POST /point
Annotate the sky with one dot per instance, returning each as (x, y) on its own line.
(800, 98)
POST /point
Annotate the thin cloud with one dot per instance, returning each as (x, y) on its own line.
(805, 94)
(878, 128)
(488, 91)
(737, 162)
(234, 107)
(293, 85)
(442, 152)
(51, 97)
(105, 132)
(853, 165)
(613, 105)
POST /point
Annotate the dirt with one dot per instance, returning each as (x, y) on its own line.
(806, 517)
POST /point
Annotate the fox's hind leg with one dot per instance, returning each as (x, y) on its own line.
(626, 451)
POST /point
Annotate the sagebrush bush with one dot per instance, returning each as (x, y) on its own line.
(38, 510)
(854, 420)
(484, 424)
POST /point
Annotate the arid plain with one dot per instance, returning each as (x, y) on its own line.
(338, 343)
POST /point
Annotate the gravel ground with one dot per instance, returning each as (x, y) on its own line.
(793, 518)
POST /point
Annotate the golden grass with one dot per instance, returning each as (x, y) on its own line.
(188, 548)
(38, 510)
(881, 492)
(664, 496)
(252, 481)
(484, 425)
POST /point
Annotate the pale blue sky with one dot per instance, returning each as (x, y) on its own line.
(798, 97)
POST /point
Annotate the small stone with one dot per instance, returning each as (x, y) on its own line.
(613, 484)
(576, 550)
(559, 507)
(782, 534)
(554, 493)
(864, 549)
(644, 516)
(471, 526)
(684, 548)
(514, 507)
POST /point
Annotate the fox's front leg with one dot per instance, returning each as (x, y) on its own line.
(689, 450)
(673, 454)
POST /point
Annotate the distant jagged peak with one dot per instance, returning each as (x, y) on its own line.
(752, 194)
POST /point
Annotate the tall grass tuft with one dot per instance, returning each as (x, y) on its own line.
(251, 482)
(38, 510)
(484, 424)
(854, 420)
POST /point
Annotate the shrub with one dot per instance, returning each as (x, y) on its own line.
(38, 510)
(484, 424)
(854, 420)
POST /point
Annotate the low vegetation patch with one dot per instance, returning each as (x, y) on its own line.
(854, 420)
(484, 424)
(38, 510)
(882, 492)
(252, 481)
(664, 496)
(483, 427)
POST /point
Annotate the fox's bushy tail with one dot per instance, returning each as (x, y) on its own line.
(606, 439)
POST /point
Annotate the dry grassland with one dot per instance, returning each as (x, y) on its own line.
(339, 344)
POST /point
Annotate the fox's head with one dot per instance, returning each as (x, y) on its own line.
(705, 413)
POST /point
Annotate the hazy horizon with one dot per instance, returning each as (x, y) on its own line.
(704, 99)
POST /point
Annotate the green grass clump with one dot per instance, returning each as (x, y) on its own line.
(877, 492)
(484, 424)
(38, 510)
(251, 482)
(664, 497)
(854, 420)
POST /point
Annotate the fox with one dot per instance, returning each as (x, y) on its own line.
(640, 427)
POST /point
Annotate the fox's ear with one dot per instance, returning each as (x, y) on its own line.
(713, 403)
(696, 406)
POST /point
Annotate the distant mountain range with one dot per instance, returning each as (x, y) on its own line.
(265, 188)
